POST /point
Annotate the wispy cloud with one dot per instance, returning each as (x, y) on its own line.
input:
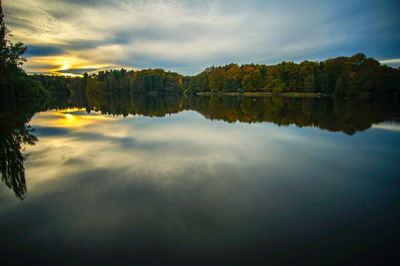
(391, 62)
(187, 36)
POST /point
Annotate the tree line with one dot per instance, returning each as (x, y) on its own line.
(341, 76)
(114, 82)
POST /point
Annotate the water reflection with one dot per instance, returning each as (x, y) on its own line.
(347, 115)
(334, 114)
(125, 181)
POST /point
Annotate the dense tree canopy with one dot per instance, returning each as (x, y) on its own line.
(341, 76)
(115, 82)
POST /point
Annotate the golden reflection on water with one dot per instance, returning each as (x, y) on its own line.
(71, 118)
(72, 142)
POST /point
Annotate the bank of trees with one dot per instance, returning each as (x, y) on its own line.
(115, 82)
(341, 76)
(155, 81)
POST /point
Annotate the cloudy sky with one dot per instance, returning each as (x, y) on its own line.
(73, 36)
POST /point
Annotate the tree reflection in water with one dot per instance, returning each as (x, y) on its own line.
(346, 115)
(14, 132)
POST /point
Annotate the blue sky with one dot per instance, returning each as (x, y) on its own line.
(72, 36)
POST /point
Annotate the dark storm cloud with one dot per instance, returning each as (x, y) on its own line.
(38, 50)
(77, 71)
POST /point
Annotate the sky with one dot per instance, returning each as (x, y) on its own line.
(186, 36)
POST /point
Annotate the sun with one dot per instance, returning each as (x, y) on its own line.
(65, 66)
(69, 116)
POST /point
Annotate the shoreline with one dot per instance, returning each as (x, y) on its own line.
(263, 94)
(290, 94)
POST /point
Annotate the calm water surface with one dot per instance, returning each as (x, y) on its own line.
(194, 185)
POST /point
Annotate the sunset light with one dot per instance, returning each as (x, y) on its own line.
(65, 67)
(199, 132)
(187, 36)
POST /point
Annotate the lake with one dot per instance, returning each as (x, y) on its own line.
(200, 180)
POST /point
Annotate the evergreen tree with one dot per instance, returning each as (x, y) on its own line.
(340, 87)
(14, 82)
(309, 83)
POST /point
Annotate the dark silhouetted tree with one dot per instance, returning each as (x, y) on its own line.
(14, 83)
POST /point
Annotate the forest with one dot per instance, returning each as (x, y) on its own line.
(114, 82)
(341, 76)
